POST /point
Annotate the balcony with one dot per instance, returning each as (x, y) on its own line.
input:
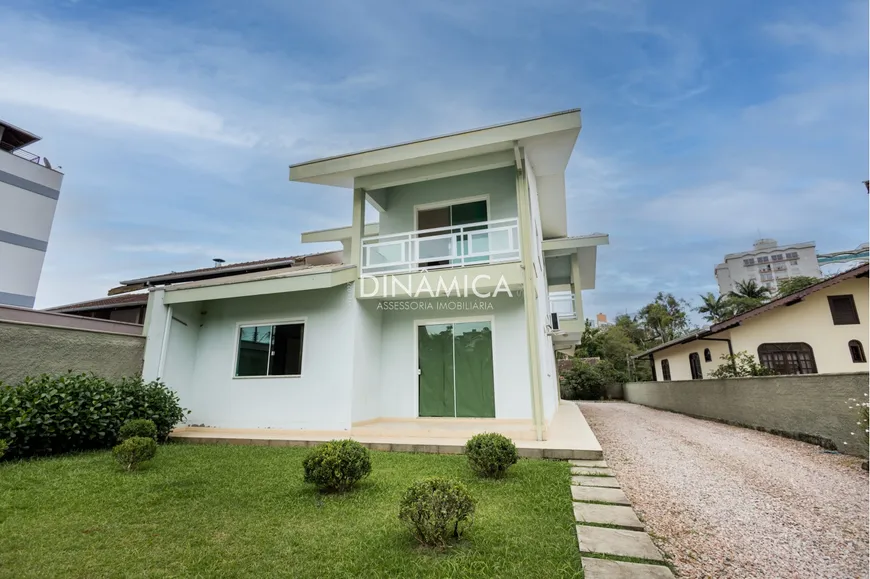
(481, 243)
(562, 304)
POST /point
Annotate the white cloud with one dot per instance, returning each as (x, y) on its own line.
(846, 36)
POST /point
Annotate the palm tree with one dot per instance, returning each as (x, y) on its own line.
(714, 309)
(750, 289)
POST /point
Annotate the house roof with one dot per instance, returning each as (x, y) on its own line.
(213, 272)
(283, 280)
(791, 299)
(138, 299)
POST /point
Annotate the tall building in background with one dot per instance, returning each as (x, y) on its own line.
(29, 189)
(768, 264)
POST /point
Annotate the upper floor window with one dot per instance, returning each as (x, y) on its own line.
(695, 366)
(791, 255)
(750, 261)
(763, 259)
(857, 351)
(843, 310)
(788, 357)
(708, 357)
(666, 370)
(777, 257)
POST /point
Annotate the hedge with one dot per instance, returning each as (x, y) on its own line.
(52, 414)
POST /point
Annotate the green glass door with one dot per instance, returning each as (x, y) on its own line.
(455, 370)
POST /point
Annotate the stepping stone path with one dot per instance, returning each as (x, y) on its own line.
(610, 536)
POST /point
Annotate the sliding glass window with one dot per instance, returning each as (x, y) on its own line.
(270, 350)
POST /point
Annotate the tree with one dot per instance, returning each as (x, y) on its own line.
(750, 289)
(740, 365)
(742, 304)
(796, 284)
(715, 309)
(665, 318)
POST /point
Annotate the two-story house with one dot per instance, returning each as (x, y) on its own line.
(440, 314)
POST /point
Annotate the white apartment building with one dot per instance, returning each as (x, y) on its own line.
(768, 263)
(29, 189)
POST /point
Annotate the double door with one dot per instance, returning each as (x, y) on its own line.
(455, 376)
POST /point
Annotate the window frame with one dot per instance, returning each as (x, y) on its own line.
(666, 370)
(303, 321)
(862, 357)
(708, 355)
(692, 366)
(851, 298)
(764, 358)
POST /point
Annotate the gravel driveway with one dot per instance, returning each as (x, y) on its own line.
(723, 501)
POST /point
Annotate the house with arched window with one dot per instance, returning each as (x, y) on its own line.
(821, 329)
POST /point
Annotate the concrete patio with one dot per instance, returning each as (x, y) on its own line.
(567, 437)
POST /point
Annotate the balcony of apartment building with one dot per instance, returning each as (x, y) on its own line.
(23, 165)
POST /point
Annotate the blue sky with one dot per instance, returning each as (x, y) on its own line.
(706, 124)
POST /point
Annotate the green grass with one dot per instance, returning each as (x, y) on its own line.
(243, 511)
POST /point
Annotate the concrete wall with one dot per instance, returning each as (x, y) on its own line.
(807, 407)
(498, 184)
(30, 349)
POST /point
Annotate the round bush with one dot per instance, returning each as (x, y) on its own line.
(139, 427)
(134, 451)
(437, 510)
(337, 465)
(490, 454)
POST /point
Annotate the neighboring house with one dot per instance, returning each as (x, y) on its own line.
(131, 307)
(768, 264)
(28, 197)
(333, 347)
(821, 329)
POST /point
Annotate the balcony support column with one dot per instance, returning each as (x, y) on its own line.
(575, 286)
(530, 298)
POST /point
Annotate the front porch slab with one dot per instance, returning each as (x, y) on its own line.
(568, 436)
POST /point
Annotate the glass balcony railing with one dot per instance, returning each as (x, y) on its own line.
(562, 304)
(443, 247)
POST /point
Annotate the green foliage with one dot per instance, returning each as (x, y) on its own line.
(715, 309)
(337, 465)
(4, 446)
(138, 427)
(437, 510)
(795, 284)
(584, 381)
(740, 365)
(490, 454)
(135, 451)
(665, 318)
(742, 304)
(750, 289)
(51, 414)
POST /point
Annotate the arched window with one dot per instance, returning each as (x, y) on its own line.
(857, 351)
(788, 357)
(695, 366)
(708, 357)
(666, 370)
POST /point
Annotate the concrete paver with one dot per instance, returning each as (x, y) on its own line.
(607, 515)
(619, 542)
(599, 494)
(595, 481)
(604, 569)
(587, 470)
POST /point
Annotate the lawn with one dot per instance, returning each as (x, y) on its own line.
(243, 511)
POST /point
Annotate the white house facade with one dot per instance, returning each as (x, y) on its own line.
(451, 307)
(28, 197)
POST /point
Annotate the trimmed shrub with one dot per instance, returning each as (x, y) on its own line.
(583, 381)
(139, 427)
(51, 414)
(4, 446)
(134, 451)
(490, 454)
(337, 465)
(437, 510)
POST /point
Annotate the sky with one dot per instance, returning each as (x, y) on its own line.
(706, 125)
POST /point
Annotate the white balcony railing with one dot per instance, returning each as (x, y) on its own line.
(442, 247)
(562, 304)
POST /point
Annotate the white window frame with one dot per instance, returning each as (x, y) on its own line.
(450, 202)
(270, 322)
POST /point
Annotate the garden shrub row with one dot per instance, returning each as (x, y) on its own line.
(52, 414)
(436, 510)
